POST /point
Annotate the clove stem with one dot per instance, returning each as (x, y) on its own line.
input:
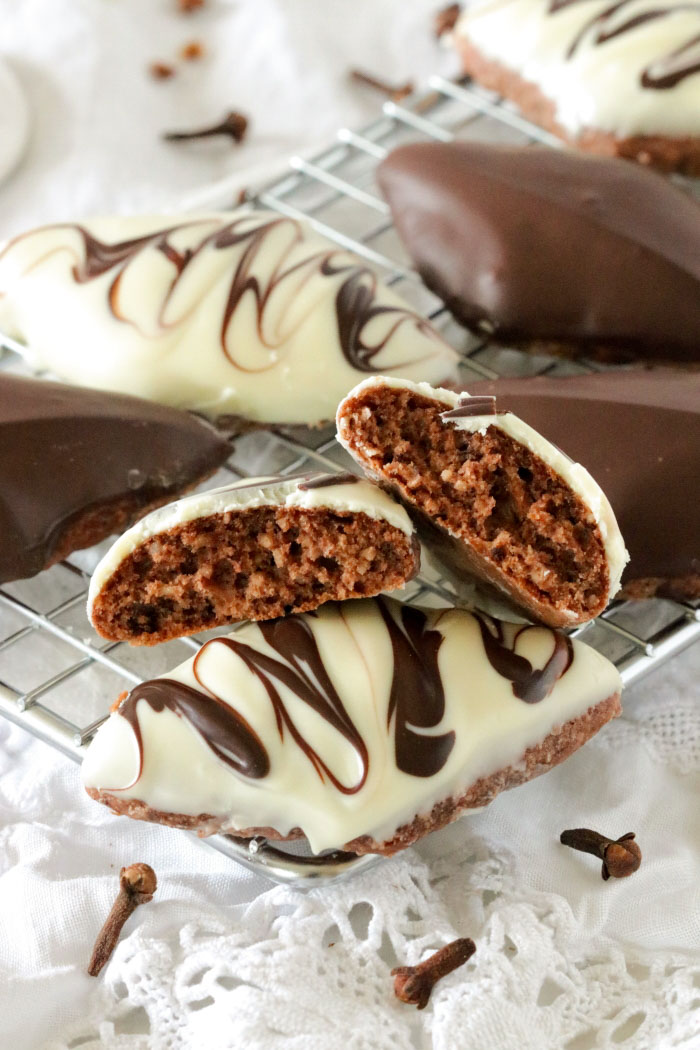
(137, 884)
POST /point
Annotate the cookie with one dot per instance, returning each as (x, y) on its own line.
(364, 725)
(618, 79)
(492, 498)
(639, 433)
(255, 549)
(552, 249)
(78, 465)
(245, 316)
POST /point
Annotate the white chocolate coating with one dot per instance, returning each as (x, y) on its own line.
(357, 497)
(244, 313)
(573, 474)
(591, 61)
(492, 728)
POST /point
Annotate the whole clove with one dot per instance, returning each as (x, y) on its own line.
(621, 857)
(234, 125)
(393, 91)
(413, 984)
(137, 884)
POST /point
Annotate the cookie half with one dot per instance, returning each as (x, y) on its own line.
(639, 431)
(364, 725)
(256, 549)
(492, 498)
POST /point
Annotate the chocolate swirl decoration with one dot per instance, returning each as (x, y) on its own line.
(303, 671)
(665, 72)
(416, 703)
(223, 730)
(529, 685)
(227, 733)
(354, 307)
(254, 275)
(472, 406)
(417, 696)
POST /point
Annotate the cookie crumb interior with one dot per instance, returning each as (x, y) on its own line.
(256, 564)
(516, 514)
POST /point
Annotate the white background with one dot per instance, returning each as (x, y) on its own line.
(562, 959)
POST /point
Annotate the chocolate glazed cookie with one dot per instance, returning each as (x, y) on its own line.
(552, 250)
(77, 465)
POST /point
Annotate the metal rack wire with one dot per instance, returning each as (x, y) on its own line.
(58, 678)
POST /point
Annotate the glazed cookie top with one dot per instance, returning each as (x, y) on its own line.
(343, 722)
(617, 247)
(630, 67)
(474, 414)
(246, 313)
(338, 492)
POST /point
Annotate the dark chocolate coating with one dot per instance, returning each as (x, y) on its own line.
(66, 452)
(552, 246)
(638, 433)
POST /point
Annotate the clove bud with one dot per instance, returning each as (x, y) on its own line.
(413, 984)
(234, 124)
(621, 857)
(137, 884)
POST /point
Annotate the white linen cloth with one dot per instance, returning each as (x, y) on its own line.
(219, 959)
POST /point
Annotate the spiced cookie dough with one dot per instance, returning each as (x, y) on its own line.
(247, 314)
(620, 79)
(552, 249)
(77, 465)
(364, 725)
(492, 498)
(639, 434)
(255, 549)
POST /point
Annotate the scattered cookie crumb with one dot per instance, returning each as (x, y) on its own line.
(187, 7)
(161, 70)
(192, 51)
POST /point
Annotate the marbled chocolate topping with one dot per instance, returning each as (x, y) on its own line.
(529, 684)
(355, 301)
(224, 730)
(618, 19)
(416, 703)
(638, 433)
(68, 452)
(344, 722)
(245, 314)
(301, 668)
(543, 245)
(417, 696)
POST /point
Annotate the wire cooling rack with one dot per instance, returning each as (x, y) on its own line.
(58, 678)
